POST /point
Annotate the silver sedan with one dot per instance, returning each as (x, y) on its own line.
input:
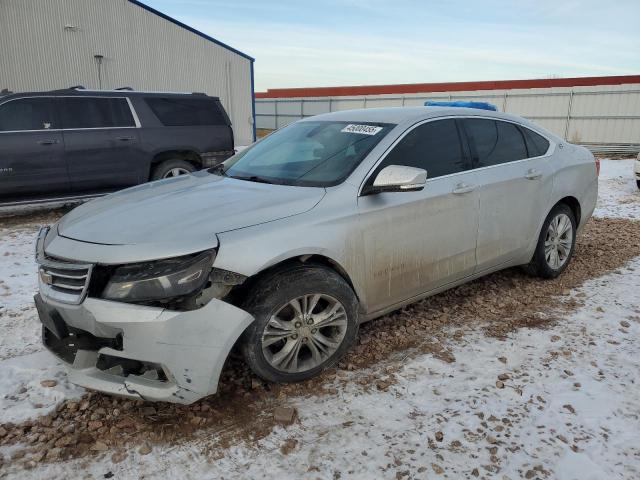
(285, 248)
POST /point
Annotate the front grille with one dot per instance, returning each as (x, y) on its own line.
(65, 281)
(60, 279)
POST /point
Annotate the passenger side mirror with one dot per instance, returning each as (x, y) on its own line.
(397, 178)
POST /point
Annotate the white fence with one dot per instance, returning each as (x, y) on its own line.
(605, 118)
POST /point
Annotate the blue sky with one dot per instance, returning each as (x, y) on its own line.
(366, 42)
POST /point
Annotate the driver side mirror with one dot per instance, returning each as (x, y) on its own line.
(397, 178)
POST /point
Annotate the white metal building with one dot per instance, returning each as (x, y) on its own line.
(602, 113)
(50, 44)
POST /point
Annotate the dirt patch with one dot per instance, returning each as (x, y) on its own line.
(242, 410)
(28, 217)
(263, 132)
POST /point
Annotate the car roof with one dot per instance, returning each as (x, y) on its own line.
(399, 115)
(82, 92)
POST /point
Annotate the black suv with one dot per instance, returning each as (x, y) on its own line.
(77, 142)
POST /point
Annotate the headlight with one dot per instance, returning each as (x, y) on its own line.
(161, 279)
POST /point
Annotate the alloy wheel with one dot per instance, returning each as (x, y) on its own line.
(175, 172)
(304, 333)
(559, 240)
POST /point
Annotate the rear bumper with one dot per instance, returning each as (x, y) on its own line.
(142, 352)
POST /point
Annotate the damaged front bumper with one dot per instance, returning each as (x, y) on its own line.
(142, 352)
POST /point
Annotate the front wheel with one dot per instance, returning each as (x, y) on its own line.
(638, 183)
(306, 318)
(556, 243)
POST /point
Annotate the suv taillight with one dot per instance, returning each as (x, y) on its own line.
(597, 165)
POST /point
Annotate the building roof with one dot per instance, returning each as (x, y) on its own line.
(446, 87)
(191, 29)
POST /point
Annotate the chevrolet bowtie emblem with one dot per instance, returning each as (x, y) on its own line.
(46, 277)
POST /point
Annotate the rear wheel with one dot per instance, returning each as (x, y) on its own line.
(172, 168)
(556, 243)
(638, 183)
(305, 321)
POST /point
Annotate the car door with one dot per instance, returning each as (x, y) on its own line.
(102, 145)
(514, 187)
(31, 149)
(415, 242)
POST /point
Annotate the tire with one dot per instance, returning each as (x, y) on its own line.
(638, 183)
(171, 168)
(269, 346)
(544, 263)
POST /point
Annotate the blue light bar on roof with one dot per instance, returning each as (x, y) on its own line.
(479, 105)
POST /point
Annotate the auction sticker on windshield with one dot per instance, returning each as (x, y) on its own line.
(362, 129)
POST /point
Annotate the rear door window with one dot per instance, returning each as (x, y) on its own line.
(22, 114)
(537, 145)
(88, 112)
(495, 142)
(181, 112)
(433, 146)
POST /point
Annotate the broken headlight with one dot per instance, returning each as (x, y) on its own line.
(160, 279)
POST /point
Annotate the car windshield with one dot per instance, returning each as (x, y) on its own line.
(312, 153)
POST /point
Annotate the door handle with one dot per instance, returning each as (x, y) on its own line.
(48, 142)
(463, 188)
(124, 139)
(533, 174)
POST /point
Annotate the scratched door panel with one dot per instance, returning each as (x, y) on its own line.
(417, 241)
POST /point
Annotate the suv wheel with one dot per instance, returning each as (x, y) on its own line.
(556, 243)
(171, 168)
(306, 318)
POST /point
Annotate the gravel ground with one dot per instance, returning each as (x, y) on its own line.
(493, 376)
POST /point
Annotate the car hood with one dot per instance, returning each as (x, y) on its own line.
(185, 209)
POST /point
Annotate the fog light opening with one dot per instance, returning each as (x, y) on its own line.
(123, 367)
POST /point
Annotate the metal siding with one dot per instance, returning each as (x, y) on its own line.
(594, 116)
(316, 107)
(141, 49)
(350, 104)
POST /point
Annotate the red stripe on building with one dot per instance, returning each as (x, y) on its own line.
(446, 87)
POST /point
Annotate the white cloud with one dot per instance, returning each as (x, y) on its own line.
(352, 42)
(294, 55)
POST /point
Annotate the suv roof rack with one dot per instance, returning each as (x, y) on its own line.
(81, 88)
(5, 91)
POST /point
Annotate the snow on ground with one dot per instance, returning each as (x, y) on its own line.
(23, 361)
(568, 408)
(618, 194)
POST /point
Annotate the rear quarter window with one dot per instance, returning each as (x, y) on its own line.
(180, 112)
(537, 145)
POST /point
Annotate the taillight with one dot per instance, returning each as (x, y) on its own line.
(597, 165)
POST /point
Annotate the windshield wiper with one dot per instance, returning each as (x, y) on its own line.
(253, 178)
(218, 170)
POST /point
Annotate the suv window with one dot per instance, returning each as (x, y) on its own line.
(91, 112)
(495, 142)
(27, 114)
(434, 146)
(179, 112)
(537, 145)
